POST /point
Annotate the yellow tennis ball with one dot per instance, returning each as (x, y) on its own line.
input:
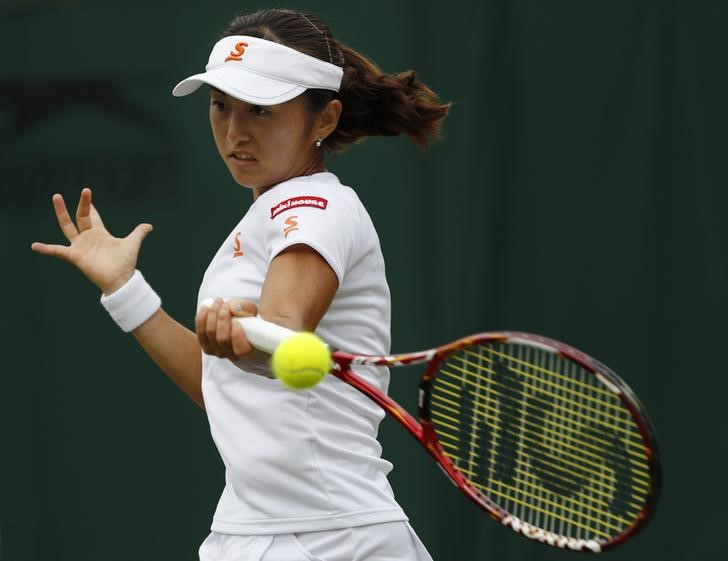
(301, 361)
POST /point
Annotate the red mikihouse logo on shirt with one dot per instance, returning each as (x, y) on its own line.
(297, 202)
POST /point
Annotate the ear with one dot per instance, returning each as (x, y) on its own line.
(327, 119)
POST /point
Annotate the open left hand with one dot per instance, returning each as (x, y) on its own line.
(107, 261)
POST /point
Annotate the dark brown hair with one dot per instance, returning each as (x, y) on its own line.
(374, 103)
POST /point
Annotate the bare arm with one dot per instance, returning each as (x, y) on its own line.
(297, 291)
(175, 349)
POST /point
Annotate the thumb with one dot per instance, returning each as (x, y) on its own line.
(140, 232)
(242, 308)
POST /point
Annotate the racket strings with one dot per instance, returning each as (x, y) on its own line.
(587, 451)
(542, 438)
(551, 469)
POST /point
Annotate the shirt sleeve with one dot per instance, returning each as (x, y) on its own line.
(317, 217)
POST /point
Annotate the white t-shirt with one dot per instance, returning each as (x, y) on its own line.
(302, 461)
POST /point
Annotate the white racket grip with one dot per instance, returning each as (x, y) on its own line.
(263, 335)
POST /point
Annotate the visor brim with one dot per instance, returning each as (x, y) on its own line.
(241, 84)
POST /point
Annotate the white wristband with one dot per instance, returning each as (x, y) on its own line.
(132, 304)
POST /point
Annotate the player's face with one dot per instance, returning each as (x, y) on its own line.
(263, 146)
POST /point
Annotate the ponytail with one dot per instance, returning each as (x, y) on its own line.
(379, 104)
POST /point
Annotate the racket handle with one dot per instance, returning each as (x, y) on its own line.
(263, 335)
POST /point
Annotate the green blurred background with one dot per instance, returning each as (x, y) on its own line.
(579, 193)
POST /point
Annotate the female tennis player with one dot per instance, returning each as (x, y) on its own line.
(304, 474)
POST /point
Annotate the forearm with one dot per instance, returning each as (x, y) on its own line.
(176, 350)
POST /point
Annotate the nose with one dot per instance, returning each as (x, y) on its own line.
(238, 125)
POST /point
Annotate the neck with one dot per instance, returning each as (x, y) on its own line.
(316, 167)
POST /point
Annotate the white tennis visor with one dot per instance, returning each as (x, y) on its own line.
(261, 72)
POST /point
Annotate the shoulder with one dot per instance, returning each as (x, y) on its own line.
(321, 191)
(317, 211)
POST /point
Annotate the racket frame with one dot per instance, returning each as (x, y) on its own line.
(267, 336)
(423, 431)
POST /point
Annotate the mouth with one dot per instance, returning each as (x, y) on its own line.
(242, 158)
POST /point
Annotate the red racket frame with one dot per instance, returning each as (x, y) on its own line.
(423, 431)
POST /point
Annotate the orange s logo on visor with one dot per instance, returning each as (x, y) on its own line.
(237, 54)
(291, 225)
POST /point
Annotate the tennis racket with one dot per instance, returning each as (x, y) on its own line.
(548, 441)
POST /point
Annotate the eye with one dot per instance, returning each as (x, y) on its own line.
(259, 110)
(217, 104)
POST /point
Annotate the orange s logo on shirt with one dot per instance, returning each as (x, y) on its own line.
(237, 251)
(291, 225)
(237, 54)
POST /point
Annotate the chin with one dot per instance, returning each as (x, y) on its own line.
(244, 180)
(256, 187)
(246, 184)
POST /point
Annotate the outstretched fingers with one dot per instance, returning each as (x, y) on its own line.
(83, 212)
(96, 218)
(60, 251)
(64, 219)
(140, 232)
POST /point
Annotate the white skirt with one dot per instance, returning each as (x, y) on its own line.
(391, 541)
